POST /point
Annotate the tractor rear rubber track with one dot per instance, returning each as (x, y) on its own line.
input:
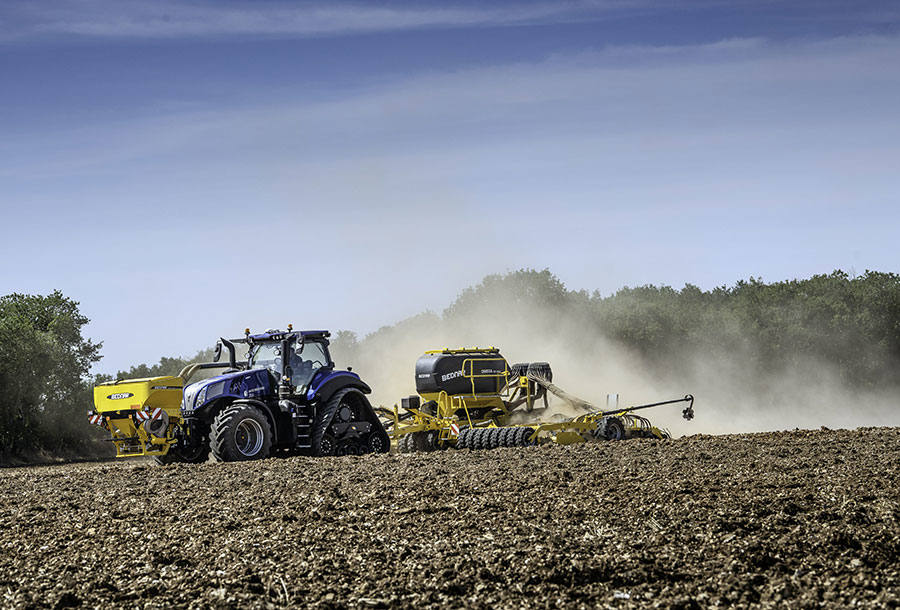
(376, 441)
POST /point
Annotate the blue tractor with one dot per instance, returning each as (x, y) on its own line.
(287, 399)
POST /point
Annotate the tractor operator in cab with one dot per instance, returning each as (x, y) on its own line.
(305, 359)
(301, 370)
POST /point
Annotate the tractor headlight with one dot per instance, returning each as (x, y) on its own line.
(201, 397)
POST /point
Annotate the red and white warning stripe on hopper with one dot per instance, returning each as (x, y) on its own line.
(142, 416)
(95, 419)
(454, 429)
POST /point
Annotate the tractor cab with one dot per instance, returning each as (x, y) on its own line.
(293, 358)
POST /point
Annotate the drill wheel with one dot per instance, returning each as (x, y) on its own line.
(522, 437)
(483, 436)
(404, 445)
(423, 442)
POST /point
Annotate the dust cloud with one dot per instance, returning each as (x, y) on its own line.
(731, 395)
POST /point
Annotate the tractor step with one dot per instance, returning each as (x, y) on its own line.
(303, 424)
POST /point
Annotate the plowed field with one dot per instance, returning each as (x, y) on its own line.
(796, 518)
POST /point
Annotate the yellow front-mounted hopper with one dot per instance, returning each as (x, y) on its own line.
(140, 414)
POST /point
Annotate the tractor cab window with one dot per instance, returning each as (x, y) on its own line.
(267, 356)
(306, 359)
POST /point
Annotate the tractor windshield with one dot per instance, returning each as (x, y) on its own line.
(266, 356)
(304, 359)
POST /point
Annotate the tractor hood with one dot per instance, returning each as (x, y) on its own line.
(240, 384)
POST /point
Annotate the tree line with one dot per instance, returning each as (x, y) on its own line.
(849, 323)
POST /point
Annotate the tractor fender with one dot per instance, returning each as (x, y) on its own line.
(325, 389)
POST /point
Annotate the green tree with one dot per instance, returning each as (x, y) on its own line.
(44, 366)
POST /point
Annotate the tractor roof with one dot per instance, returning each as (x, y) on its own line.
(278, 335)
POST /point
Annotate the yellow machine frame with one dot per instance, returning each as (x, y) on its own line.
(475, 410)
(494, 410)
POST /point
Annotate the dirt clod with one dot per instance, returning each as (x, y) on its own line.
(799, 519)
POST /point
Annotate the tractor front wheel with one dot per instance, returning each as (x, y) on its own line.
(240, 432)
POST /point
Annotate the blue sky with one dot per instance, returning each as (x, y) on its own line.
(186, 169)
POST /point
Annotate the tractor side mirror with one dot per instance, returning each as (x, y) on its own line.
(218, 351)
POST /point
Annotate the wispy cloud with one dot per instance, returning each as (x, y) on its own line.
(740, 86)
(185, 19)
(632, 164)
